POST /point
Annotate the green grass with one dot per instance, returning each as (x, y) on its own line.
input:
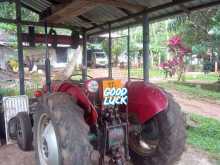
(15, 91)
(191, 91)
(206, 136)
(156, 73)
(211, 77)
(138, 73)
(8, 92)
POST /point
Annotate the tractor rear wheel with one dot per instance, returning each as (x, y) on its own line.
(60, 132)
(160, 141)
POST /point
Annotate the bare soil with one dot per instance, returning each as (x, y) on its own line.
(11, 155)
(206, 108)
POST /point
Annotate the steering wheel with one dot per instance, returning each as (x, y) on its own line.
(78, 77)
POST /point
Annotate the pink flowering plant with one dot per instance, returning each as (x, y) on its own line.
(176, 64)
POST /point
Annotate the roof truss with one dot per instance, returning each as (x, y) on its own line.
(61, 13)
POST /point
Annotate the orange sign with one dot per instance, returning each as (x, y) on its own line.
(114, 93)
(111, 84)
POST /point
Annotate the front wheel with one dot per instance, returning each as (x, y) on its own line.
(161, 140)
(61, 132)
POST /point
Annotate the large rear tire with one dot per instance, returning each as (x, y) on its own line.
(60, 132)
(165, 133)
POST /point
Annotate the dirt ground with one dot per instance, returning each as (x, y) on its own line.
(206, 108)
(11, 155)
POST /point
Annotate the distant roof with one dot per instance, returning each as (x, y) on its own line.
(95, 15)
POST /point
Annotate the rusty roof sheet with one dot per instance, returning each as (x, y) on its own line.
(37, 5)
(104, 14)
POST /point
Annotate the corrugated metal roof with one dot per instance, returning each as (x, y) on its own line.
(151, 3)
(37, 5)
(104, 14)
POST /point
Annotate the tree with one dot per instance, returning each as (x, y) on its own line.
(158, 41)
(177, 63)
(7, 10)
(199, 30)
(198, 23)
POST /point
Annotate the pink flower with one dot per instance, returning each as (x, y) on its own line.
(174, 41)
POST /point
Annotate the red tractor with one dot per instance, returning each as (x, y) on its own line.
(136, 122)
(131, 122)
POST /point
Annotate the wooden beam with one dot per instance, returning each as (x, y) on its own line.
(64, 12)
(185, 9)
(87, 20)
(69, 9)
(41, 38)
(121, 4)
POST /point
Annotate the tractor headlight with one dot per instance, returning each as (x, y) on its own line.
(93, 86)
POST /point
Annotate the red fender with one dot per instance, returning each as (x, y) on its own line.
(80, 97)
(145, 100)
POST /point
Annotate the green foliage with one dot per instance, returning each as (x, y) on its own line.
(201, 24)
(200, 49)
(94, 46)
(8, 27)
(158, 41)
(15, 91)
(7, 10)
(206, 136)
(119, 45)
(9, 92)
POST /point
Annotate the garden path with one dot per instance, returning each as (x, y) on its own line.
(207, 108)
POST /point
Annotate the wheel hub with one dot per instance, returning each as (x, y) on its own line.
(48, 149)
(144, 145)
(145, 139)
(19, 129)
(45, 149)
